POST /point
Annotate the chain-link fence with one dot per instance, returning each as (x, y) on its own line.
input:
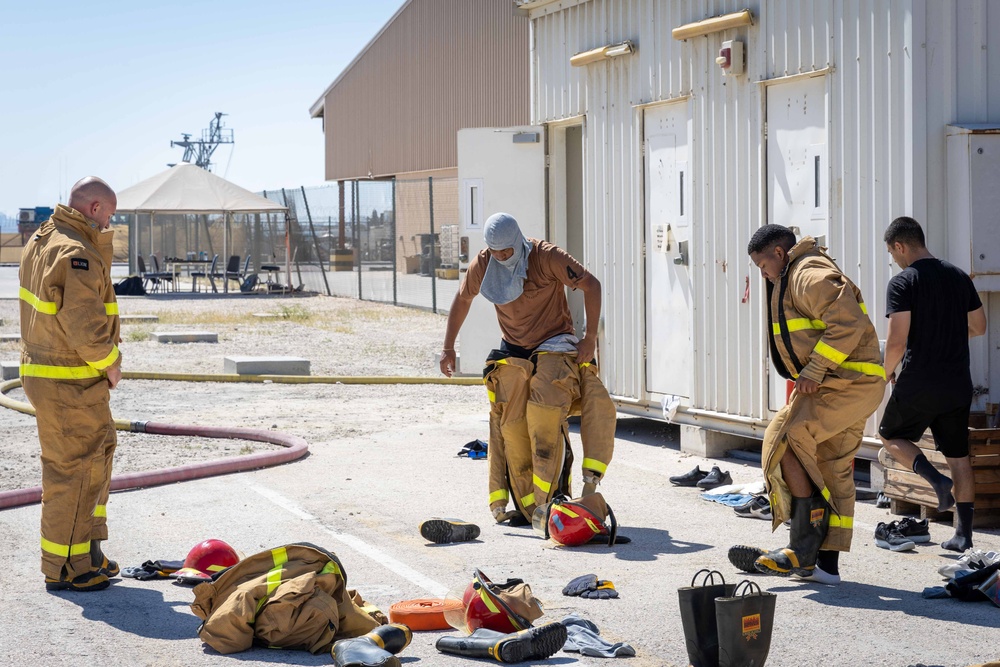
(394, 241)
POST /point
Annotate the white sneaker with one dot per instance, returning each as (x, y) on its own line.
(820, 577)
(973, 559)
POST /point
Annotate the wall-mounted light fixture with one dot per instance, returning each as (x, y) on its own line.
(610, 51)
(713, 24)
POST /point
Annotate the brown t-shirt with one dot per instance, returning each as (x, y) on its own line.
(541, 311)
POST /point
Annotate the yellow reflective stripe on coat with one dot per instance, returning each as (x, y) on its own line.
(831, 353)
(331, 568)
(864, 308)
(101, 511)
(541, 483)
(798, 324)
(106, 361)
(491, 395)
(111, 308)
(595, 465)
(280, 557)
(59, 372)
(65, 550)
(528, 499)
(826, 494)
(864, 367)
(838, 521)
(46, 307)
(502, 494)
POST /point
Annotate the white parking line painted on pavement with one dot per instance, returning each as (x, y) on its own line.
(356, 543)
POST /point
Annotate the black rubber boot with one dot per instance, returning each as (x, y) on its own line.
(375, 649)
(97, 558)
(446, 531)
(810, 522)
(535, 643)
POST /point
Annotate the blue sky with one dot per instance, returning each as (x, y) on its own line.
(101, 87)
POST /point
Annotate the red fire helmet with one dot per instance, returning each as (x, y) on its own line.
(211, 556)
(575, 522)
(506, 608)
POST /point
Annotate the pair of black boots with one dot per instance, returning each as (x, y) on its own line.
(536, 643)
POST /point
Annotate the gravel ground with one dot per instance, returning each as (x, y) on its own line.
(337, 336)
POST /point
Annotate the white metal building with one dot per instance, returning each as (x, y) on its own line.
(654, 163)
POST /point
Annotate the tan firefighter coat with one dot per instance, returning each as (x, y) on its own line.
(819, 329)
(69, 338)
(292, 597)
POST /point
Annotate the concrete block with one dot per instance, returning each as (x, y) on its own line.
(185, 337)
(265, 366)
(712, 444)
(10, 370)
(10, 338)
(138, 319)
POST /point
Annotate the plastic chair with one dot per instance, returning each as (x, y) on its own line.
(149, 282)
(233, 269)
(210, 274)
(163, 276)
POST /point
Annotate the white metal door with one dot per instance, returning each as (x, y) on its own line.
(669, 351)
(499, 169)
(798, 183)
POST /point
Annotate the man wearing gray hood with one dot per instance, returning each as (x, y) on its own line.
(540, 374)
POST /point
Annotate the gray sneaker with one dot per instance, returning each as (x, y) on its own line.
(887, 536)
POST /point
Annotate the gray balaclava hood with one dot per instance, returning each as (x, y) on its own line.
(504, 281)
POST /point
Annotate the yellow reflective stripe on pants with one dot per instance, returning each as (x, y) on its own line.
(101, 511)
(798, 324)
(59, 372)
(595, 465)
(502, 494)
(831, 353)
(541, 483)
(106, 361)
(110, 309)
(65, 550)
(838, 521)
(46, 307)
(528, 499)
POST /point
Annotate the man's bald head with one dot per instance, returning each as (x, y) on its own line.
(95, 199)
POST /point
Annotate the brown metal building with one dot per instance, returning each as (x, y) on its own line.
(437, 66)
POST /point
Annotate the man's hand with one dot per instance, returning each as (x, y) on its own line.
(585, 349)
(892, 378)
(806, 386)
(448, 362)
(114, 375)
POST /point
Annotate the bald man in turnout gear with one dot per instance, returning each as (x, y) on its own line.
(540, 373)
(69, 362)
(820, 335)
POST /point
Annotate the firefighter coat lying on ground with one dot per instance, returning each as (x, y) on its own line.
(69, 336)
(292, 597)
(820, 330)
(529, 453)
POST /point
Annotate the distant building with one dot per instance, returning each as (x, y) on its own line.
(28, 220)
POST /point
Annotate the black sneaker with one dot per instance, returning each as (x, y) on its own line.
(714, 479)
(913, 530)
(758, 507)
(445, 531)
(887, 536)
(689, 478)
(744, 557)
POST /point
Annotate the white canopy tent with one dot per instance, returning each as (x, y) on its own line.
(188, 189)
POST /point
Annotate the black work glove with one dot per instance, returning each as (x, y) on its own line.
(581, 585)
(605, 590)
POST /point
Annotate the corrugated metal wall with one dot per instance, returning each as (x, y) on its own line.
(439, 66)
(885, 142)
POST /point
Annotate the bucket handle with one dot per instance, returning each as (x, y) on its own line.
(747, 585)
(709, 578)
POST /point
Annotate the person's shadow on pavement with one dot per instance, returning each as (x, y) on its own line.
(139, 611)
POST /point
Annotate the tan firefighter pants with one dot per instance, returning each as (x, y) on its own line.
(824, 431)
(78, 439)
(530, 402)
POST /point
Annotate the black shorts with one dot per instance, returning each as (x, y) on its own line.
(908, 419)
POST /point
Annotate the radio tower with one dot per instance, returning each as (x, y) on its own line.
(201, 150)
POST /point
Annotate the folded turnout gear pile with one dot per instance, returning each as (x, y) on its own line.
(294, 597)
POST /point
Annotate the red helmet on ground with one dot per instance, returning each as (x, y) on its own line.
(507, 607)
(575, 522)
(211, 557)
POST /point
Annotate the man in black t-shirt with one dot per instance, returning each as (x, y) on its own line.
(933, 310)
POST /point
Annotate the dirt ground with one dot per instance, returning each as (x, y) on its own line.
(337, 336)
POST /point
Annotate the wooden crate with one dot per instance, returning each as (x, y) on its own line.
(910, 493)
(447, 274)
